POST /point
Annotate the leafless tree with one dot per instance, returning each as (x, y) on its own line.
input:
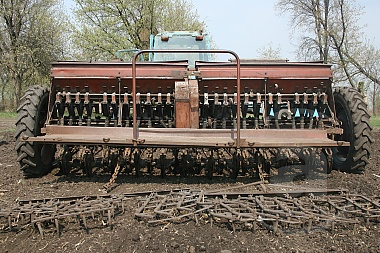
(269, 52)
(330, 33)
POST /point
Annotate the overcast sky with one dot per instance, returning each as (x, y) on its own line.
(244, 26)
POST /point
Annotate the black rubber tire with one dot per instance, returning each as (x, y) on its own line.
(351, 111)
(35, 159)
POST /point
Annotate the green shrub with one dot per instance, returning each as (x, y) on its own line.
(375, 121)
(8, 115)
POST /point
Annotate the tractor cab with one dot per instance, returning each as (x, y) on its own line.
(182, 40)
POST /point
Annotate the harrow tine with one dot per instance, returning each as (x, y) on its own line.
(274, 213)
(162, 162)
(136, 161)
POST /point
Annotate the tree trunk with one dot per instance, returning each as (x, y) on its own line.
(2, 106)
(19, 90)
(374, 95)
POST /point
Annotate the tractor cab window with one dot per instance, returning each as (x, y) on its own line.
(180, 42)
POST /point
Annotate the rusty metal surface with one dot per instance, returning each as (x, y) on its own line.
(263, 208)
(182, 114)
(67, 70)
(134, 75)
(94, 197)
(182, 104)
(265, 70)
(114, 78)
(55, 211)
(250, 138)
(135, 106)
(252, 212)
(194, 103)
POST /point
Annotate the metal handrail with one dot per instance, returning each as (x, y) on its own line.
(135, 130)
(132, 50)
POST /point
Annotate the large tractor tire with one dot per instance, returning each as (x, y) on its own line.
(35, 159)
(351, 111)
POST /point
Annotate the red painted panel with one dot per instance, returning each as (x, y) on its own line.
(271, 71)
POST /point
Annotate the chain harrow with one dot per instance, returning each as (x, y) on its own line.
(251, 212)
(44, 213)
(273, 210)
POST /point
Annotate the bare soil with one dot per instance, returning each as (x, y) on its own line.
(131, 235)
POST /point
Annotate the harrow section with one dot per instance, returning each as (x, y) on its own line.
(275, 210)
(252, 212)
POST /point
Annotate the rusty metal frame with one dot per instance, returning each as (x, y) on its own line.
(168, 137)
(273, 212)
(135, 128)
(253, 209)
(250, 138)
